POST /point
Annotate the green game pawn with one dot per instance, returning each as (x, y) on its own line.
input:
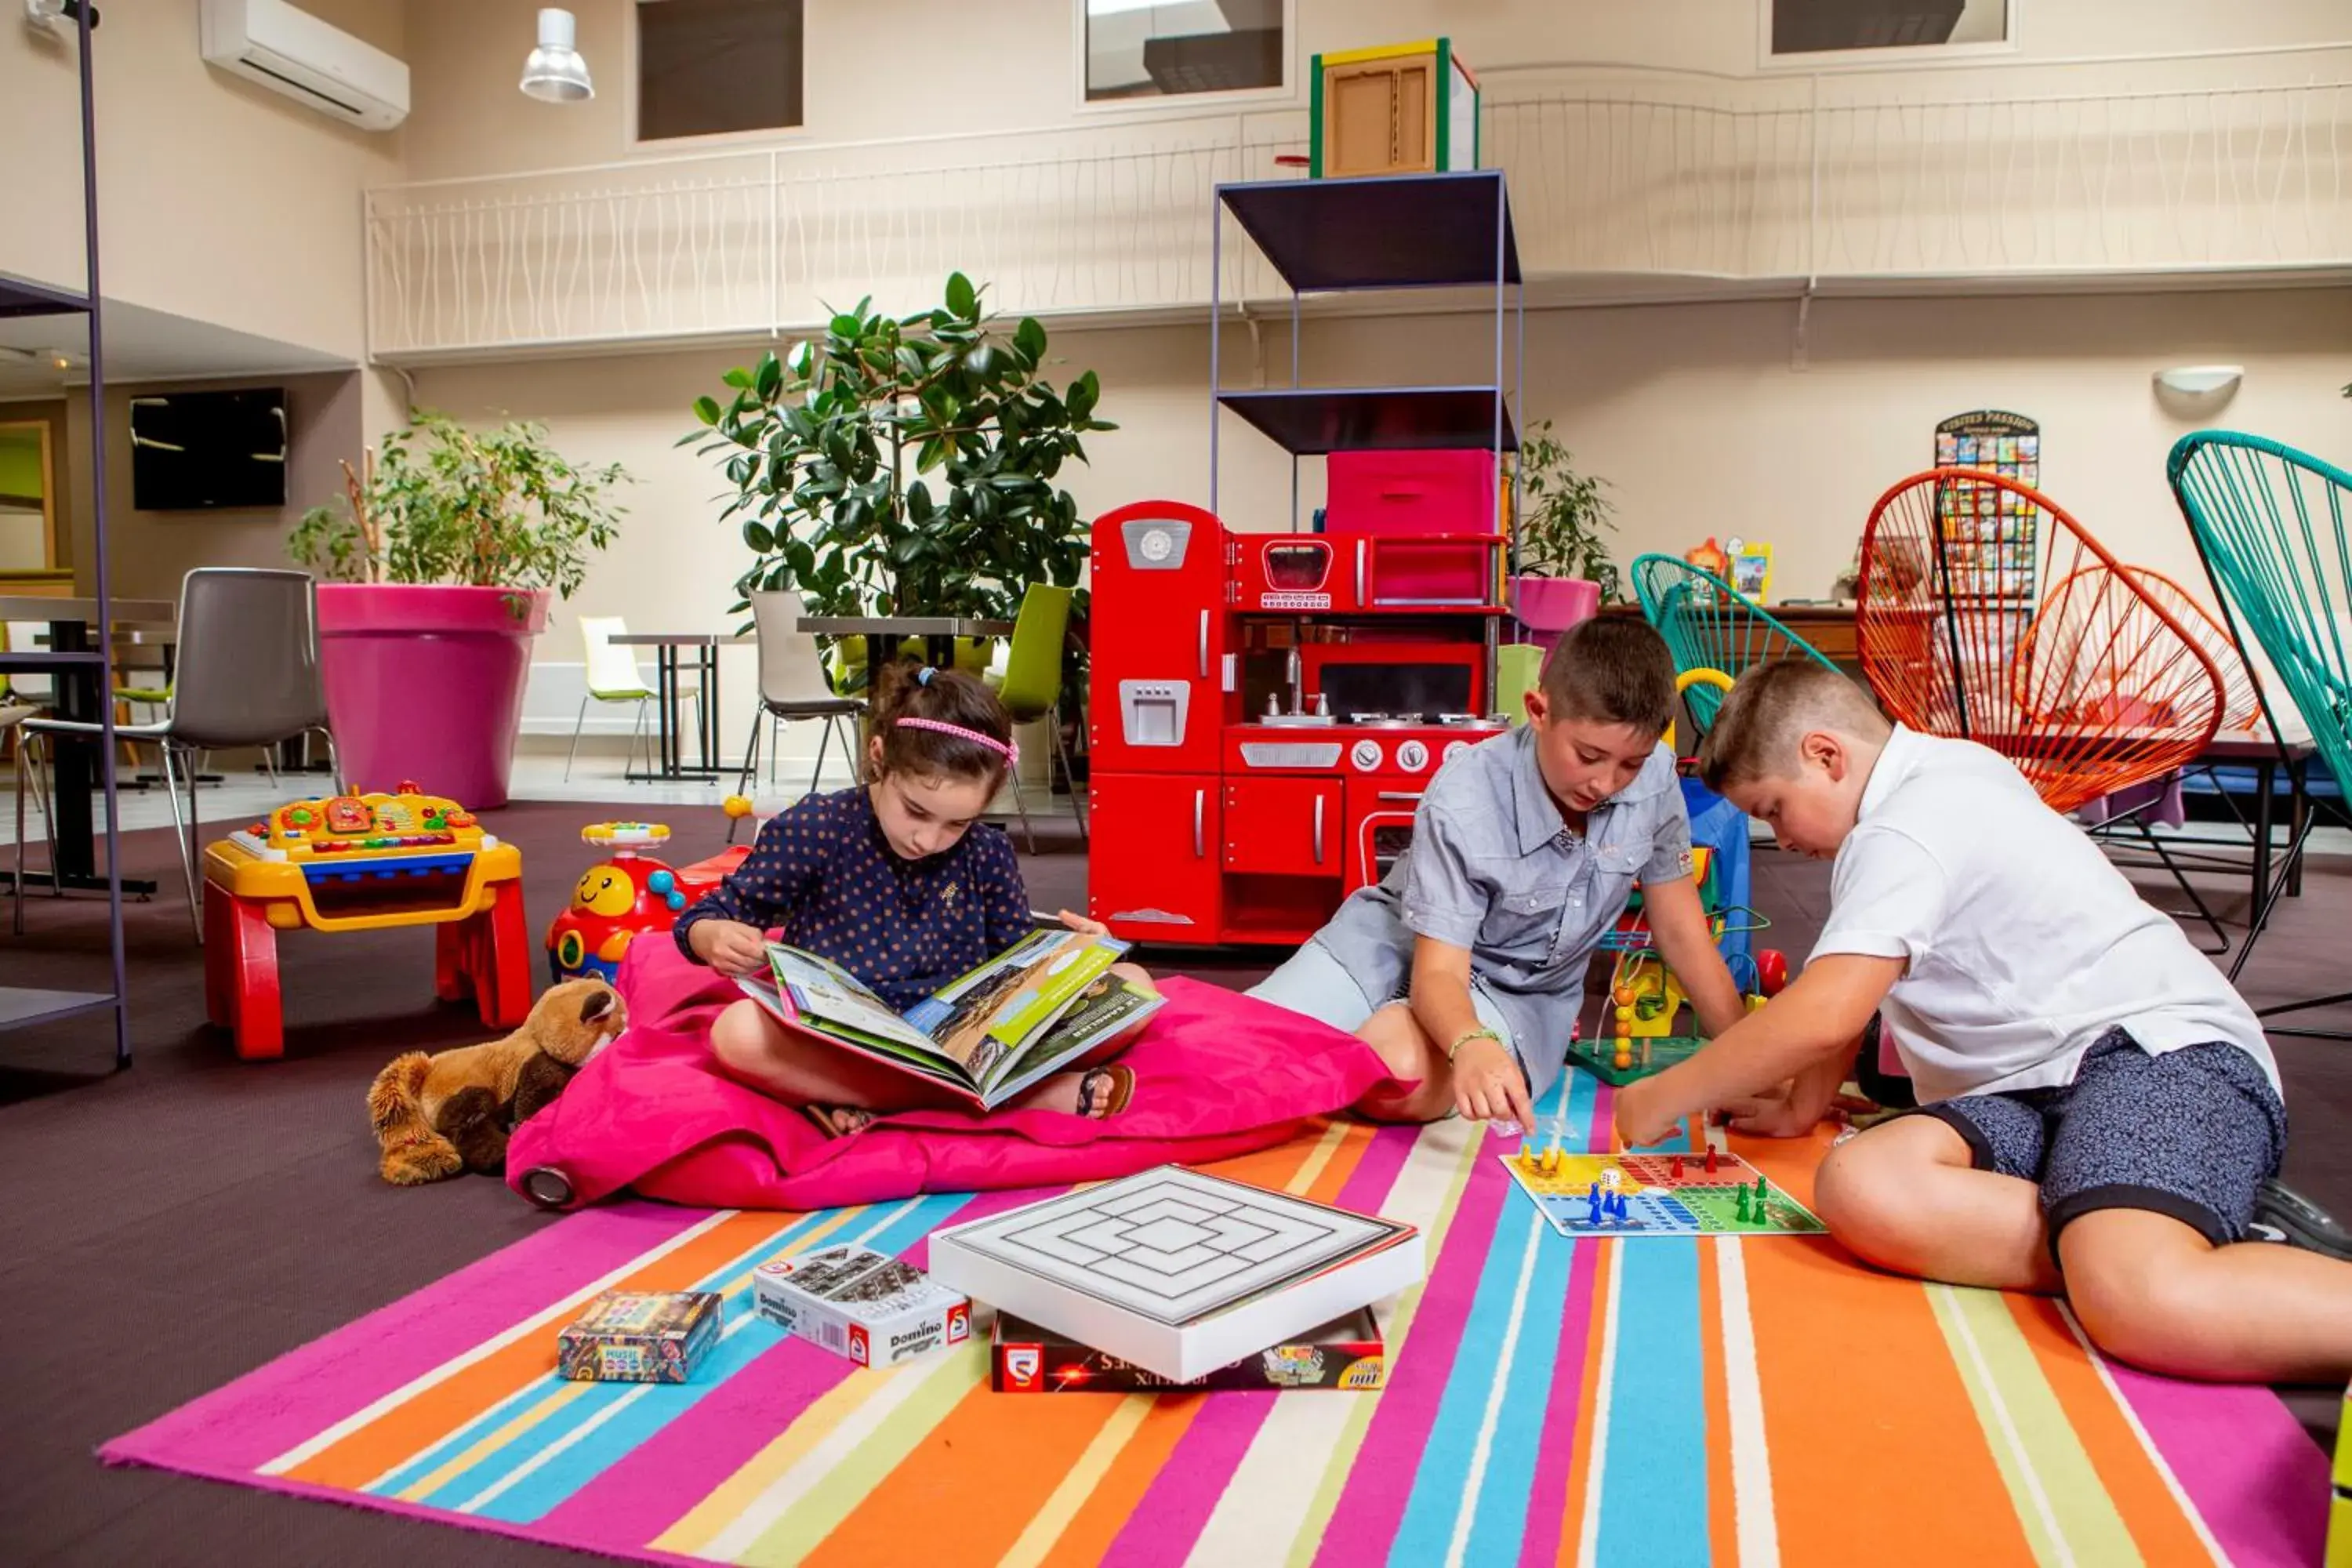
(1743, 1203)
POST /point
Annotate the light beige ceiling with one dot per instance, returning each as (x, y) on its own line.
(141, 345)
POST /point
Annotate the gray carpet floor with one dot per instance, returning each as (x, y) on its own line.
(166, 1229)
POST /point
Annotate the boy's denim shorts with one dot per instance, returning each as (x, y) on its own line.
(1314, 982)
(2190, 1133)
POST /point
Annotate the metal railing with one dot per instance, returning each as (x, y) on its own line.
(2178, 165)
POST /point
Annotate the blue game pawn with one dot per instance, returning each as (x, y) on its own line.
(1593, 1215)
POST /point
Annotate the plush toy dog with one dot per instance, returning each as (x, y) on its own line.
(438, 1115)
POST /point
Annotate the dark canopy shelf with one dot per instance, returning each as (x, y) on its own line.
(21, 299)
(1314, 420)
(1386, 231)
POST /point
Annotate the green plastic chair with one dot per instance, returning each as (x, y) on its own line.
(971, 657)
(1710, 625)
(2268, 524)
(1518, 665)
(1031, 686)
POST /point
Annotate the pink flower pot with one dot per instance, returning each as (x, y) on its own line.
(1550, 605)
(424, 682)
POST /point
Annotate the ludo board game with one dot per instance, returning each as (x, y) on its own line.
(1704, 1194)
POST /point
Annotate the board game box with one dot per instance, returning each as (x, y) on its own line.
(1346, 1355)
(1176, 1271)
(639, 1336)
(1701, 1194)
(860, 1304)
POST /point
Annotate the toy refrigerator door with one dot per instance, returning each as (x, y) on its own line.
(1285, 826)
(1152, 873)
(1158, 628)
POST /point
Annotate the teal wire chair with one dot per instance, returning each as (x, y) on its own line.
(2268, 524)
(1710, 625)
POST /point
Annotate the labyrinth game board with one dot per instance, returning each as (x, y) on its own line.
(1176, 1271)
(1657, 1194)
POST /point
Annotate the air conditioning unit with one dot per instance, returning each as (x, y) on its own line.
(293, 52)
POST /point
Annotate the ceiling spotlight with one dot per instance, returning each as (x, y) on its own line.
(555, 72)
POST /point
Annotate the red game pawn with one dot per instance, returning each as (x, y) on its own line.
(1710, 1160)
(1675, 1169)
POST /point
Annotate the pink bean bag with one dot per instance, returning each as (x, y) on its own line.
(1217, 1074)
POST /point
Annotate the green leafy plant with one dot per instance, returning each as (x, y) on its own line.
(905, 466)
(1561, 515)
(493, 509)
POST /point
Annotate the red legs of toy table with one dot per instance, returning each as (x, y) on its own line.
(241, 974)
(487, 956)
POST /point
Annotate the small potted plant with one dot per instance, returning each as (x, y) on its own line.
(439, 566)
(1564, 573)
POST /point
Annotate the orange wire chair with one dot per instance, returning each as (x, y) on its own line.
(2241, 702)
(2092, 687)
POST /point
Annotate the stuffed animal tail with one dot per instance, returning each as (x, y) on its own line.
(412, 1153)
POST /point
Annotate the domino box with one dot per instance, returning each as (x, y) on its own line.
(1346, 1354)
(636, 1336)
(862, 1304)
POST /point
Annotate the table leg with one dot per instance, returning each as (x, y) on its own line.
(708, 671)
(2265, 780)
(666, 699)
(74, 757)
(2298, 774)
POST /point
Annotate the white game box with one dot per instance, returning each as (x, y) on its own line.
(1178, 1272)
(860, 1304)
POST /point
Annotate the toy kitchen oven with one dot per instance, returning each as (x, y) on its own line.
(1265, 709)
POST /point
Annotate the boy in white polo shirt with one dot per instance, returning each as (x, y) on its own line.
(2098, 1108)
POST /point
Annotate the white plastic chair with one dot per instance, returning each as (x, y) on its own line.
(793, 685)
(615, 676)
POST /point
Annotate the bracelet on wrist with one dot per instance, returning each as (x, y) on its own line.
(1466, 1035)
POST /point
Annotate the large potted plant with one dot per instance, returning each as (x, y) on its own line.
(905, 466)
(1564, 573)
(439, 566)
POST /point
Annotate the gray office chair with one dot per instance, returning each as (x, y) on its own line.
(793, 685)
(247, 675)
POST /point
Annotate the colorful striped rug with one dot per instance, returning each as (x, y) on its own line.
(1550, 1401)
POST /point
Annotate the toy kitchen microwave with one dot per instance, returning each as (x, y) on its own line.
(1265, 709)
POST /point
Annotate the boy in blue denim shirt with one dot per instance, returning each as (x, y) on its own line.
(1465, 968)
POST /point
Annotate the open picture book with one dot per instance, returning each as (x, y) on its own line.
(1036, 1008)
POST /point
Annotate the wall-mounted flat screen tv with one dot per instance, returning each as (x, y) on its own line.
(208, 451)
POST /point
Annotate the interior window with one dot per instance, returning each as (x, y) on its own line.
(1834, 26)
(1139, 48)
(706, 67)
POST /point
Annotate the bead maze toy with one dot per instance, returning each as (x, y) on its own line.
(362, 862)
(1638, 1034)
(619, 900)
(1709, 1194)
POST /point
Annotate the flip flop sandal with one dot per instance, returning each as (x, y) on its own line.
(823, 1115)
(1104, 1092)
(2281, 1214)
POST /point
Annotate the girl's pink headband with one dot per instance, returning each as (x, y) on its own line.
(938, 726)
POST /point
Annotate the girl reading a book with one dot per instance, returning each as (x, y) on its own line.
(898, 882)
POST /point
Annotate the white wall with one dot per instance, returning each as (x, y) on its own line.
(1699, 416)
(217, 200)
(1023, 56)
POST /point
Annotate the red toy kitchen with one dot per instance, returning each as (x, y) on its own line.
(1266, 709)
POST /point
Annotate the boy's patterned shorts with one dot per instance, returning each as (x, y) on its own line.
(2192, 1133)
